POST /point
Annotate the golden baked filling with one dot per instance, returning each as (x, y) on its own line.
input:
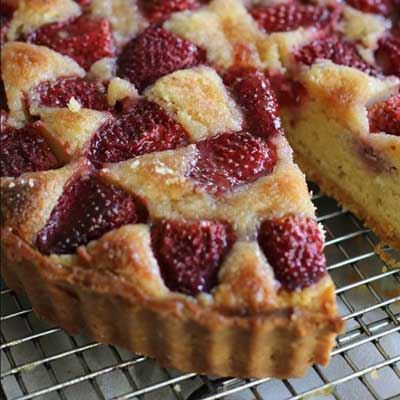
(149, 193)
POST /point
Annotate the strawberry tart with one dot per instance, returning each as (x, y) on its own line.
(149, 194)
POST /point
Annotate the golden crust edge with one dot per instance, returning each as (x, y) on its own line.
(254, 346)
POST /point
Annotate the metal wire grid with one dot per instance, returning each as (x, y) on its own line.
(42, 361)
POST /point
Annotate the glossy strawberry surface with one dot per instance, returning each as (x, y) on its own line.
(229, 160)
(338, 50)
(85, 39)
(294, 248)
(290, 16)
(144, 128)
(190, 254)
(388, 54)
(155, 53)
(253, 91)
(87, 209)
(87, 93)
(385, 116)
(24, 150)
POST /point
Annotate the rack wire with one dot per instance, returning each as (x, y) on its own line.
(40, 361)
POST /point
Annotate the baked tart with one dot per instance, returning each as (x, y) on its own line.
(149, 194)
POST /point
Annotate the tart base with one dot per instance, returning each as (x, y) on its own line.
(385, 231)
(109, 310)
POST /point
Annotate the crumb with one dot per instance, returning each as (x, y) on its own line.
(74, 105)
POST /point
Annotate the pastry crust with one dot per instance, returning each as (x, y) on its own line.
(199, 101)
(210, 342)
(123, 15)
(68, 132)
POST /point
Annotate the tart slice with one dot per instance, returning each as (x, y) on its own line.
(174, 224)
(149, 195)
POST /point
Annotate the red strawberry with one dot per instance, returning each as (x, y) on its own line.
(230, 160)
(160, 10)
(385, 116)
(388, 54)
(155, 53)
(87, 209)
(57, 94)
(337, 50)
(24, 150)
(190, 253)
(288, 92)
(254, 93)
(85, 39)
(384, 7)
(290, 16)
(84, 3)
(144, 129)
(294, 248)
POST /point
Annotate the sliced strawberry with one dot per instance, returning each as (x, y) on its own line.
(388, 54)
(384, 7)
(190, 253)
(160, 10)
(337, 50)
(254, 93)
(87, 209)
(58, 94)
(288, 91)
(229, 160)
(294, 248)
(155, 53)
(85, 39)
(143, 129)
(24, 150)
(290, 16)
(385, 116)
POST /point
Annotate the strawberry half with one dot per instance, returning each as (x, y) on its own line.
(155, 53)
(294, 248)
(85, 39)
(388, 54)
(229, 160)
(86, 210)
(58, 94)
(24, 150)
(288, 91)
(337, 50)
(290, 16)
(254, 93)
(143, 129)
(190, 253)
(385, 116)
(160, 10)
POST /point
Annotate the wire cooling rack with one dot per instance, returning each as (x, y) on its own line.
(40, 361)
